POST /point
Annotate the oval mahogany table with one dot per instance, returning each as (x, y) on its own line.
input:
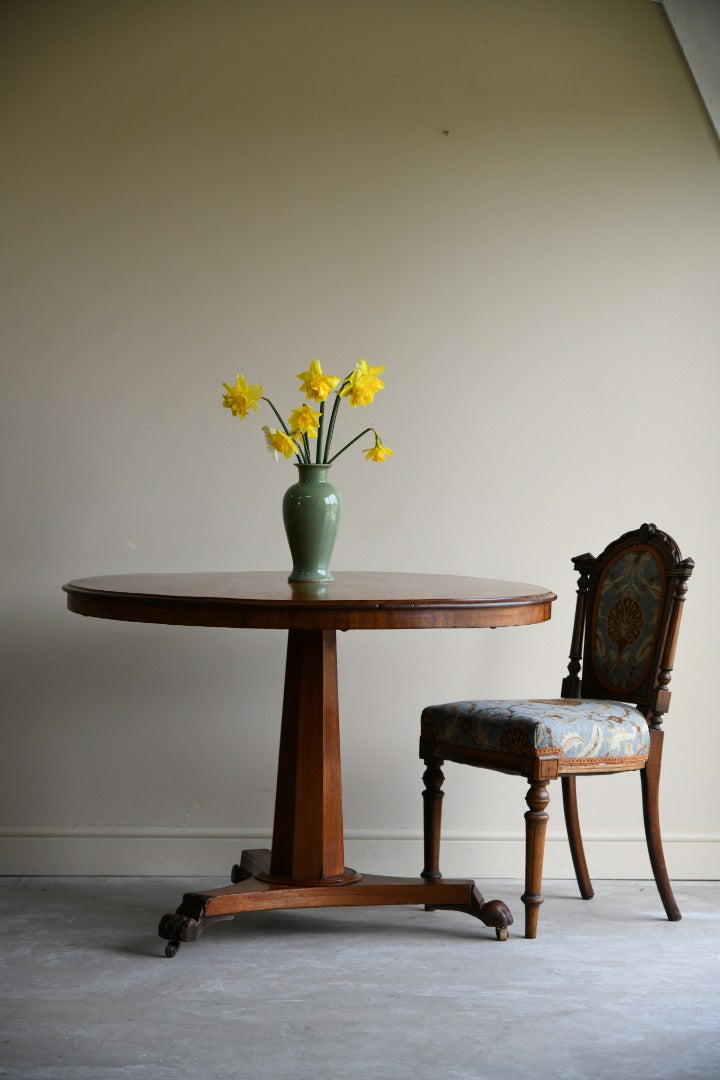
(306, 864)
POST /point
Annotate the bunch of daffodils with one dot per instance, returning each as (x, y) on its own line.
(306, 423)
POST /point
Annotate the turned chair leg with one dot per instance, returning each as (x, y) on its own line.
(650, 780)
(433, 779)
(572, 823)
(536, 820)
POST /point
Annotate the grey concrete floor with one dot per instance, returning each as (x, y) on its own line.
(608, 989)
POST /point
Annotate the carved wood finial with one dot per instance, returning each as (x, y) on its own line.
(571, 682)
(662, 696)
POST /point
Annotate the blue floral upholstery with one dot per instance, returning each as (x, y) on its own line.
(568, 727)
(627, 616)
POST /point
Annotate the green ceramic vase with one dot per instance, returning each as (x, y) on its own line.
(311, 513)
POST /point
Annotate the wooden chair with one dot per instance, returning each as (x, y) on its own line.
(608, 718)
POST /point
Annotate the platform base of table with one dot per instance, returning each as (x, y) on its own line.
(254, 890)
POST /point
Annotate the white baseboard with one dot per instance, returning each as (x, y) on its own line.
(173, 851)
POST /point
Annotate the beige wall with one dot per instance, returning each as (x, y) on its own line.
(194, 189)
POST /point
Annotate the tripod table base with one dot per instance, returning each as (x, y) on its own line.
(255, 890)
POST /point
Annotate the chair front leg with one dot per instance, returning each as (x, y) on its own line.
(650, 780)
(536, 820)
(572, 823)
(433, 779)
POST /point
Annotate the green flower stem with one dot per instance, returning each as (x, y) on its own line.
(333, 415)
(300, 454)
(348, 445)
(306, 441)
(318, 458)
(282, 422)
(304, 459)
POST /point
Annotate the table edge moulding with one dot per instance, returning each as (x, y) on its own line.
(354, 600)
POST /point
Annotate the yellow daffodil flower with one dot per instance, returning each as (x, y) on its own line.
(316, 385)
(241, 397)
(280, 443)
(362, 386)
(305, 420)
(291, 439)
(378, 452)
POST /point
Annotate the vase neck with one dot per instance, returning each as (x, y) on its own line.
(312, 473)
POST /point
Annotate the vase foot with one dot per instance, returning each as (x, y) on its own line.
(301, 579)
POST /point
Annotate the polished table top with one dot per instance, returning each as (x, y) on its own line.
(354, 600)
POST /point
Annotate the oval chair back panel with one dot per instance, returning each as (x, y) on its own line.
(628, 614)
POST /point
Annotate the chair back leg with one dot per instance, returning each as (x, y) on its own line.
(572, 823)
(536, 820)
(650, 780)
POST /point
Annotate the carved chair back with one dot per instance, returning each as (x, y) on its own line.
(627, 618)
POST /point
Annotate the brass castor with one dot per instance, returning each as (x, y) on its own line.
(177, 928)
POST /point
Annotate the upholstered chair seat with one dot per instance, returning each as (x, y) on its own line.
(591, 730)
(607, 719)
